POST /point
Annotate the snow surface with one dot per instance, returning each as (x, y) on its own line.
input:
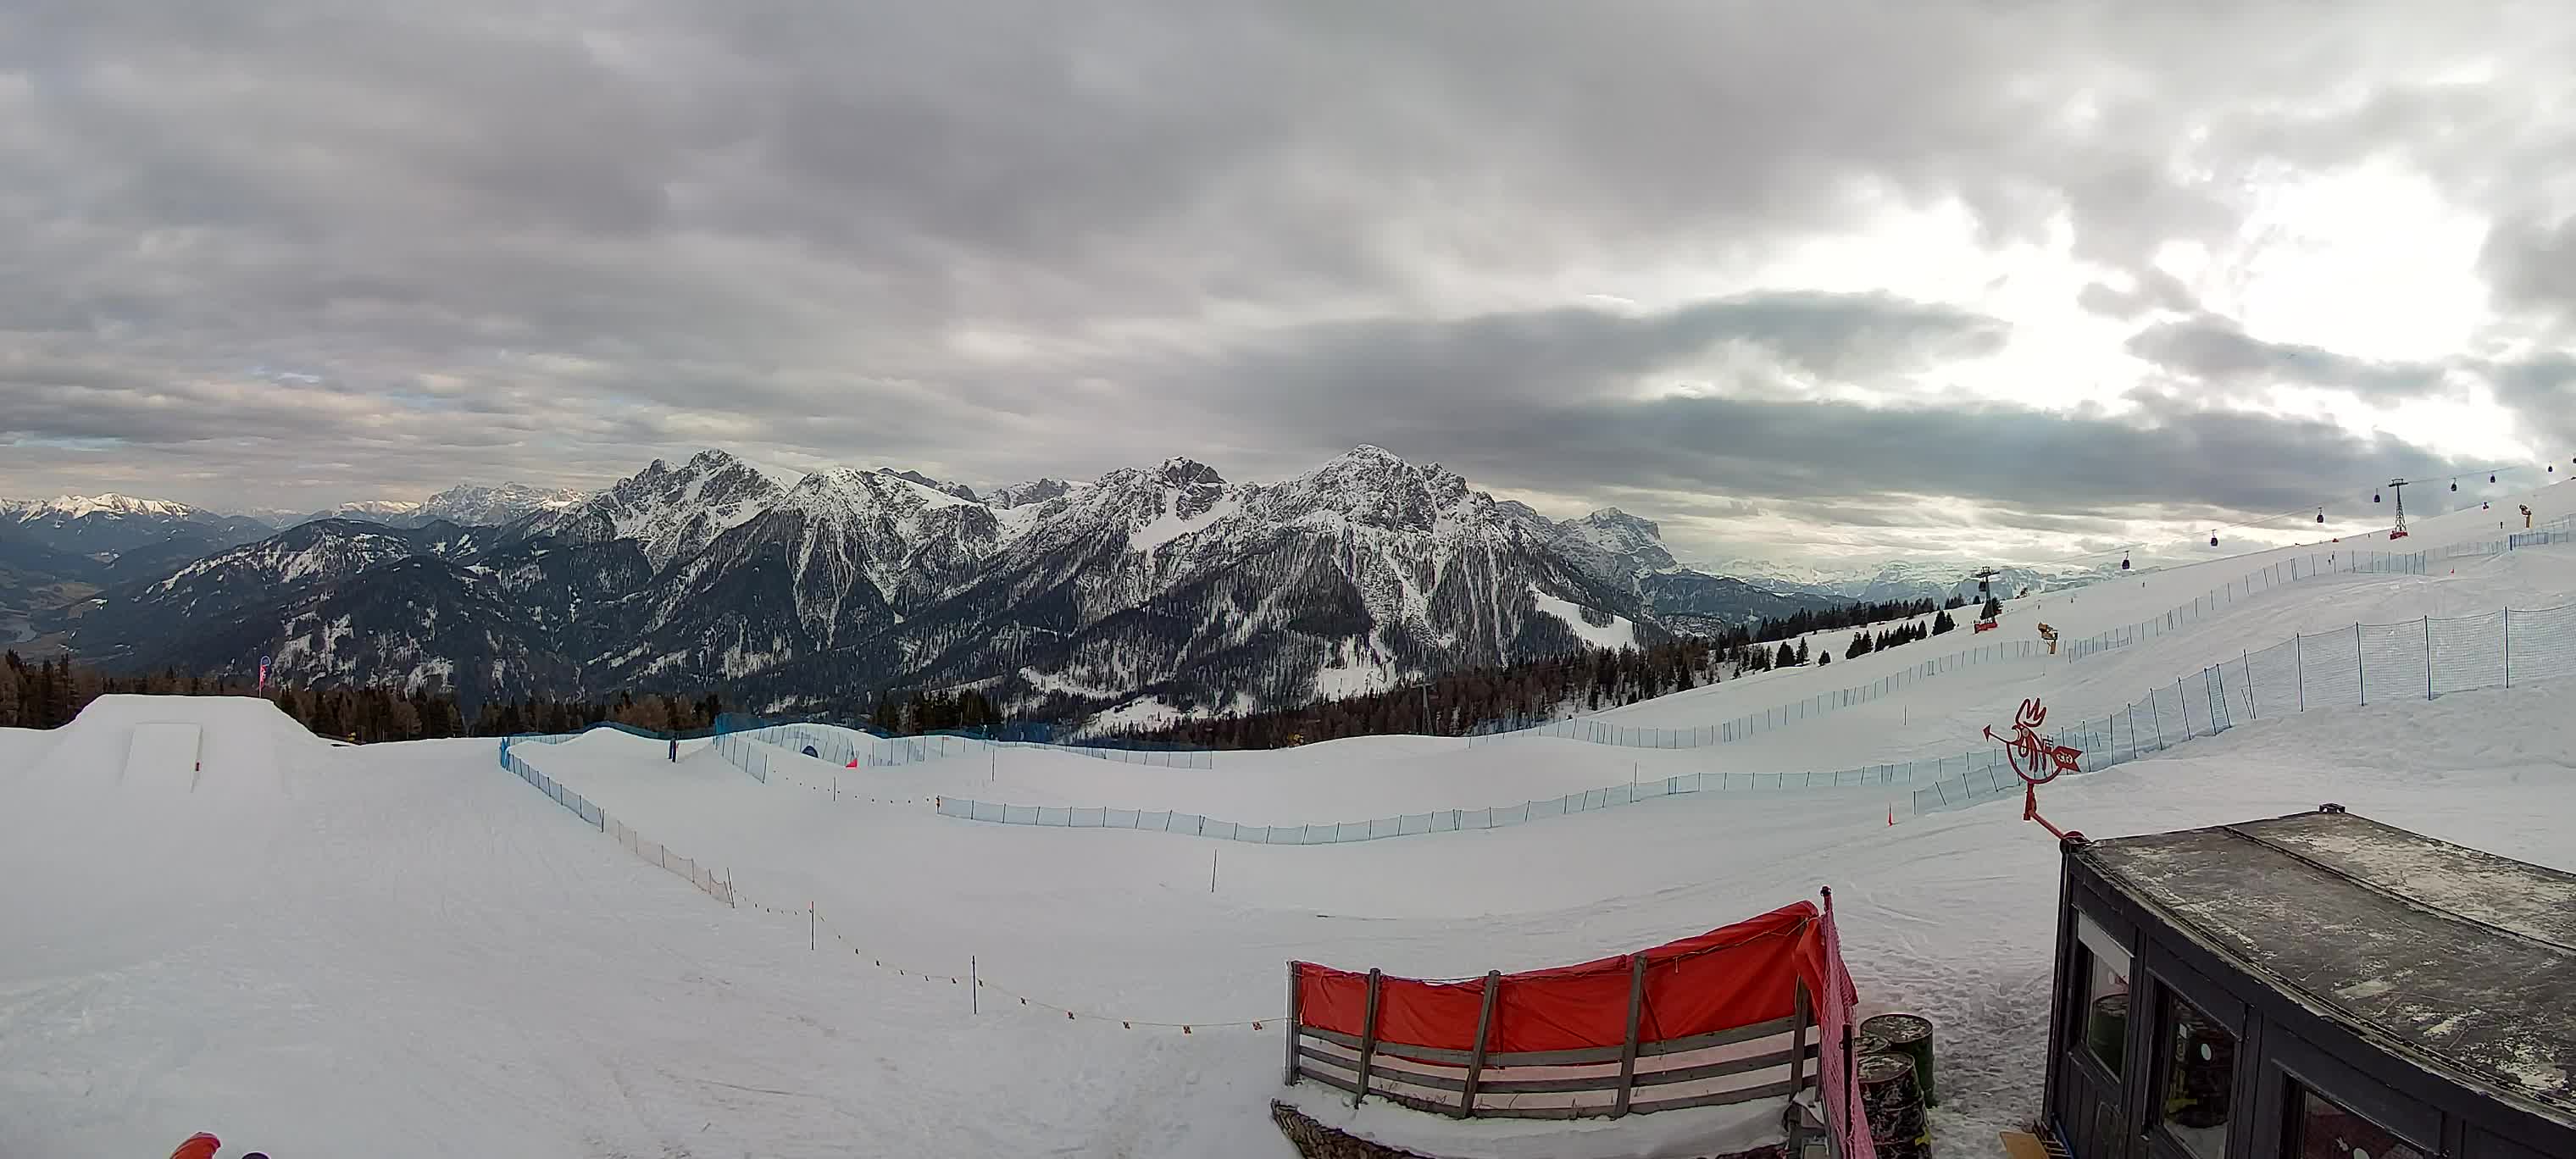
(403, 949)
(1618, 633)
(1171, 524)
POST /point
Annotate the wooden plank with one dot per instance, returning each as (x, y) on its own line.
(1575, 1057)
(1386, 1067)
(1293, 1011)
(1685, 1074)
(1718, 1038)
(1484, 1034)
(1798, 1060)
(1333, 1080)
(1416, 1102)
(1628, 1049)
(2023, 1145)
(1382, 1071)
(1368, 1034)
(1778, 1090)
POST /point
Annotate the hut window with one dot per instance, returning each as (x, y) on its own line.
(2321, 1129)
(2105, 1011)
(2199, 1078)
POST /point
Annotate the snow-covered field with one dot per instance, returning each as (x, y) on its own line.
(404, 950)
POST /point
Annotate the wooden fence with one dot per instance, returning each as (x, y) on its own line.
(1773, 1059)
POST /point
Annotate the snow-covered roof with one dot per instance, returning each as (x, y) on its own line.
(2464, 956)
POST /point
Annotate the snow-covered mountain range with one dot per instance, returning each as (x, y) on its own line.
(465, 504)
(1169, 589)
(1170, 586)
(97, 539)
(1880, 581)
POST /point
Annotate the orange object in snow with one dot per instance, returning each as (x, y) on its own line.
(199, 1146)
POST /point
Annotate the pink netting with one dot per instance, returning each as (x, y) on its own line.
(1842, 1115)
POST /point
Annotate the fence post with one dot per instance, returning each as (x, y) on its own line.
(2248, 663)
(2156, 709)
(2185, 703)
(2299, 657)
(975, 997)
(2360, 672)
(2508, 646)
(1628, 1050)
(1295, 1009)
(2428, 657)
(1368, 1035)
(1484, 1033)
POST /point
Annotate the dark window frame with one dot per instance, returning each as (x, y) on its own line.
(2291, 1063)
(2168, 980)
(2079, 1033)
(2293, 1116)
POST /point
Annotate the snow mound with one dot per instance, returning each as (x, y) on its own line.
(241, 746)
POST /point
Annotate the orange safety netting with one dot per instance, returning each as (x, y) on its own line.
(1735, 976)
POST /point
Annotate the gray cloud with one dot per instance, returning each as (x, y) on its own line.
(1561, 427)
(2154, 290)
(2214, 349)
(2542, 387)
(999, 239)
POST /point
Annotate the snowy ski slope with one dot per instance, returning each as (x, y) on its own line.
(404, 950)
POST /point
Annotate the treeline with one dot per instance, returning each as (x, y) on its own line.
(1807, 623)
(657, 714)
(1459, 701)
(1514, 695)
(967, 710)
(1862, 643)
(50, 693)
(1499, 697)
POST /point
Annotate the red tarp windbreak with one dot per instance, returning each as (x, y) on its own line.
(1736, 976)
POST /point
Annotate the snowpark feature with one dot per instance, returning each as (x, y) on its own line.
(163, 756)
(323, 949)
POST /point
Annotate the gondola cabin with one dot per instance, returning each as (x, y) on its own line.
(2318, 986)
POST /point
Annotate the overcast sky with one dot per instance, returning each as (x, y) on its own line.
(1796, 280)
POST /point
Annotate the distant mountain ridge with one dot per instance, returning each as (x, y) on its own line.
(1894, 580)
(1162, 591)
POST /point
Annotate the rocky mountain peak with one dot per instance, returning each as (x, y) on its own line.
(475, 506)
(959, 490)
(1012, 495)
(1180, 471)
(1633, 546)
(670, 511)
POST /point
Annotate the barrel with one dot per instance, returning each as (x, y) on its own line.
(2106, 1030)
(1909, 1035)
(1894, 1106)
